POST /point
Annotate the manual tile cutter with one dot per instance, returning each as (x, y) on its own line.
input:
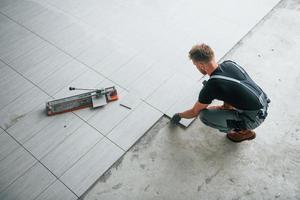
(94, 98)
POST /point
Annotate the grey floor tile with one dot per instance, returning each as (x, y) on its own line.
(53, 134)
(109, 64)
(131, 71)
(17, 44)
(149, 81)
(22, 11)
(40, 63)
(57, 191)
(7, 144)
(74, 39)
(48, 23)
(183, 65)
(89, 168)
(10, 33)
(89, 80)
(130, 100)
(134, 126)
(169, 92)
(20, 107)
(12, 85)
(31, 58)
(31, 124)
(13, 166)
(4, 4)
(62, 77)
(71, 150)
(97, 52)
(108, 117)
(30, 185)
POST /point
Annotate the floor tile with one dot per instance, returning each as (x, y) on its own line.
(89, 168)
(149, 81)
(7, 144)
(114, 61)
(40, 63)
(131, 71)
(65, 155)
(30, 185)
(97, 52)
(18, 44)
(108, 117)
(74, 39)
(11, 33)
(48, 23)
(20, 107)
(13, 166)
(62, 77)
(134, 126)
(4, 4)
(53, 134)
(22, 11)
(87, 80)
(57, 191)
(29, 125)
(130, 100)
(12, 85)
(169, 92)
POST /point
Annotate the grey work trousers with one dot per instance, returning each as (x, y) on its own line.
(227, 120)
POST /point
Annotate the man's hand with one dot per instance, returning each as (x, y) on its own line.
(175, 119)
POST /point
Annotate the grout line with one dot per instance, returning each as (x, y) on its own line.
(121, 157)
(33, 84)
(104, 136)
(24, 77)
(37, 161)
(46, 189)
(42, 38)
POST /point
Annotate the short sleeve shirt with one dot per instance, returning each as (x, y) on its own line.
(228, 91)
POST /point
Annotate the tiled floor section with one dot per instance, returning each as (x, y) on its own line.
(138, 46)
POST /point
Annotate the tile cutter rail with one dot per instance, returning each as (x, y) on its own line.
(94, 98)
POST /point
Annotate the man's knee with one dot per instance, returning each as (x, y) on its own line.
(203, 115)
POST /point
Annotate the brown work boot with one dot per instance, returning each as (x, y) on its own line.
(239, 136)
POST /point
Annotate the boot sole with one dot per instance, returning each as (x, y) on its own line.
(238, 141)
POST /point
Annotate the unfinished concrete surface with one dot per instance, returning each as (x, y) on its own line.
(199, 162)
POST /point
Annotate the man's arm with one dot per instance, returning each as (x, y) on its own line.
(188, 114)
(193, 112)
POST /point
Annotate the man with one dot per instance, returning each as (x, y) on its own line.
(245, 103)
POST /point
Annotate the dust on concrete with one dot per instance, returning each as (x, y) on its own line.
(146, 188)
(146, 141)
(293, 5)
(117, 186)
(210, 178)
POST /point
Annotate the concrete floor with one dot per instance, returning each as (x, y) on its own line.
(199, 162)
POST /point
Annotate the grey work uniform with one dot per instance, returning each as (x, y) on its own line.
(231, 83)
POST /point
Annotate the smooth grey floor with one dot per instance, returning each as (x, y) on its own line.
(199, 162)
(138, 46)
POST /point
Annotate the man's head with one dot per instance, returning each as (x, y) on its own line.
(203, 58)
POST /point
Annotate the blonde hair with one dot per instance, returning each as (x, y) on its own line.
(201, 52)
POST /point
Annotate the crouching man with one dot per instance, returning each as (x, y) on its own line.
(245, 103)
